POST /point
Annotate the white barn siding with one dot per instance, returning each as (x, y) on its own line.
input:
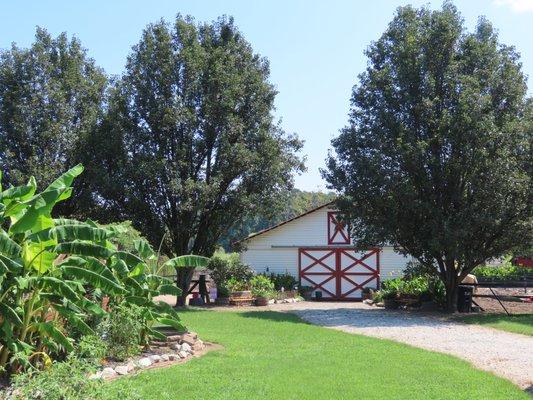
(276, 250)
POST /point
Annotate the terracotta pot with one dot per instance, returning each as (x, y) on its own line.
(261, 301)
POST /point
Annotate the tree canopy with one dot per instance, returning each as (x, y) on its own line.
(51, 98)
(190, 145)
(436, 156)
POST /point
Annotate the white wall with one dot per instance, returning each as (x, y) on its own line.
(277, 250)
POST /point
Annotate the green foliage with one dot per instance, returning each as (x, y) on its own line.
(51, 99)
(122, 331)
(191, 138)
(54, 274)
(62, 381)
(261, 286)
(91, 348)
(236, 285)
(506, 270)
(285, 281)
(435, 158)
(224, 266)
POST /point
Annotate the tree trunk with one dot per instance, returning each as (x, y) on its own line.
(183, 281)
(451, 284)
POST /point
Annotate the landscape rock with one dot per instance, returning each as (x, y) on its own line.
(165, 357)
(186, 347)
(199, 345)
(174, 338)
(108, 372)
(155, 358)
(175, 346)
(144, 362)
(189, 338)
(97, 375)
(183, 354)
(122, 370)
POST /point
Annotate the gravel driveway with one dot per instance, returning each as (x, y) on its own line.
(505, 354)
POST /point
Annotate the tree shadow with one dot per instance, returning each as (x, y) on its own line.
(275, 316)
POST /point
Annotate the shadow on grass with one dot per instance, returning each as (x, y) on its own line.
(275, 316)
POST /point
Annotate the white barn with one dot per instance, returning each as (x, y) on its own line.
(316, 249)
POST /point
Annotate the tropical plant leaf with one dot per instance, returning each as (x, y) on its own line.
(130, 259)
(143, 248)
(170, 290)
(60, 287)
(155, 334)
(48, 329)
(137, 300)
(11, 265)
(65, 180)
(8, 313)
(8, 246)
(119, 266)
(93, 278)
(188, 261)
(74, 319)
(172, 323)
(83, 249)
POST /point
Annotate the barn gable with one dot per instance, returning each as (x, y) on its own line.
(316, 248)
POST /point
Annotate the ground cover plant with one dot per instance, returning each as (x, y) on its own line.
(270, 355)
(521, 323)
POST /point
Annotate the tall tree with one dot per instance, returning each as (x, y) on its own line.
(191, 145)
(51, 97)
(436, 158)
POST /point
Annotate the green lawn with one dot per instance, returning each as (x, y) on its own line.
(522, 323)
(270, 355)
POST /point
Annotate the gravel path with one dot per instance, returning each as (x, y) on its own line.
(505, 354)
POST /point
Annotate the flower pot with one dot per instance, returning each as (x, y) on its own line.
(390, 304)
(261, 301)
(222, 301)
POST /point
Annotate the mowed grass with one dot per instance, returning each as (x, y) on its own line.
(270, 355)
(521, 323)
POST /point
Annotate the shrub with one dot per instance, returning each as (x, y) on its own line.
(91, 348)
(504, 271)
(236, 285)
(261, 286)
(285, 281)
(121, 330)
(224, 266)
(62, 381)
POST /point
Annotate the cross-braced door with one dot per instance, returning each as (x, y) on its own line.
(339, 273)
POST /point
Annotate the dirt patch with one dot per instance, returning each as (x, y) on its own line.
(513, 304)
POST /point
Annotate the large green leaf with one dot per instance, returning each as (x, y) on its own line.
(60, 287)
(12, 265)
(10, 314)
(83, 249)
(74, 319)
(8, 246)
(48, 329)
(69, 233)
(93, 278)
(172, 290)
(130, 259)
(188, 261)
(36, 255)
(143, 248)
(172, 323)
(65, 180)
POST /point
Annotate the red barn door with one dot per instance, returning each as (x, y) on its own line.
(339, 273)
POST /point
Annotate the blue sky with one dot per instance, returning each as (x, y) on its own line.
(315, 48)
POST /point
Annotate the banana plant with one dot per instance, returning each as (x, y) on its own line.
(54, 272)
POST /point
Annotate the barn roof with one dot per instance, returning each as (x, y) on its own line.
(253, 235)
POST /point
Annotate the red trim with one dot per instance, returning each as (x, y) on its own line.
(339, 273)
(340, 228)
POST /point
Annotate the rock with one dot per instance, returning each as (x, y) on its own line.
(165, 357)
(144, 362)
(183, 354)
(108, 372)
(175, 346)
(157, 343)
(97, 375)
(271, 301)
(199, 345)
(131, 366)
(189, 338)
(171, 357)
(186, 347)
(174, 338)
(122, 370)
(155, 358)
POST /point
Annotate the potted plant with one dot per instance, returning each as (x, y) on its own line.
(238, 289)
(262, 287)
(222, 296)
(390, 299)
